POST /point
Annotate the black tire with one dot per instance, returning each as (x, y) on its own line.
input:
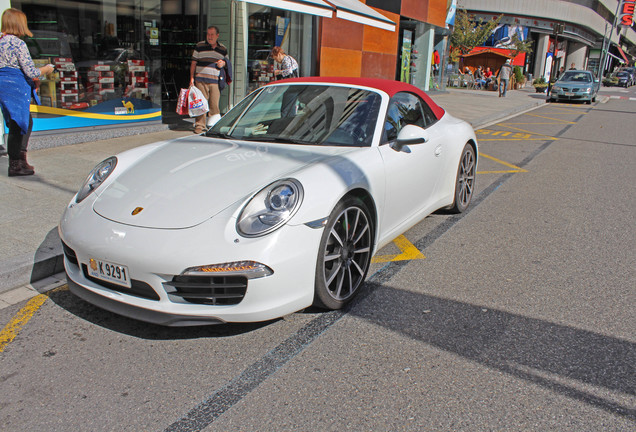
(465, 182)
(344, 254)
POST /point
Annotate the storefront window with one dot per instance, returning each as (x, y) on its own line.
(107, 60)
(268, 28)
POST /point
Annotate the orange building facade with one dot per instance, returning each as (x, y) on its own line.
(353, 49)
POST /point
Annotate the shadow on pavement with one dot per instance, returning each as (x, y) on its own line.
(120, 324)
(564, 359)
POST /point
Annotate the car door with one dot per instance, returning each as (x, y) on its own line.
(411, 174)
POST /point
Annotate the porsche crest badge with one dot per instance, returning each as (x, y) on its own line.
(136, 211)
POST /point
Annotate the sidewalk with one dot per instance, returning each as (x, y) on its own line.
(30, 248)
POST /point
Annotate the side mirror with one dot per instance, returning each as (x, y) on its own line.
(410, 135)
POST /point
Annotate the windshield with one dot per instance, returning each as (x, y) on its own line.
(303, 114)
(573, 76)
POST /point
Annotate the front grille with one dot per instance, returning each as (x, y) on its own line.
(210, 290)
(70, 254)
(137, 288)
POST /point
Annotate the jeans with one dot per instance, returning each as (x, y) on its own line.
(503, 86)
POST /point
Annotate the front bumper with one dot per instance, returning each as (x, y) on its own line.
(155, 256)
(561, 95)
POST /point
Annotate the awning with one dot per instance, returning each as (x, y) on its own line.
(350, 10)
(353, 10)
(312, 7)
(620, 50)
(616, 57)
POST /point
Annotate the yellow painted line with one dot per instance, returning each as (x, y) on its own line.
(11, 330)
(509, 165)
(570, 110)
(534, 123)
(552, 118)
(529, 132)
(515, 139)
(73, 113)
(498, 172)
(409, 252)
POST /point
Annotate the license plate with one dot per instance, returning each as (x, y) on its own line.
(109, 272)
(569, 94)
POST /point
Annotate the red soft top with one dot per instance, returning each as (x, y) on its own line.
(390, 87)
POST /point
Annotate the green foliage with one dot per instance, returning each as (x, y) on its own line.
(518, 46)
(540, 82)
(518, 74)
(468, 33)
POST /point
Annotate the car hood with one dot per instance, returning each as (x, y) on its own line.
(187, 181)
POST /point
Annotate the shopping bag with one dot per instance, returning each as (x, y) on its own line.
(182, 102)
(197, 104)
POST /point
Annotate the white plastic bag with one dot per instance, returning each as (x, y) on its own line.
(197, 104)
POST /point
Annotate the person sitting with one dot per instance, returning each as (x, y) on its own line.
(488, 77)
(480, 81)
(467, 78)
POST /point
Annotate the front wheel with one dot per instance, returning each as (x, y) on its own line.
(465, 183)
(344, 255)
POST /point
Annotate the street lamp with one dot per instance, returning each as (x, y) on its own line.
(557, 30)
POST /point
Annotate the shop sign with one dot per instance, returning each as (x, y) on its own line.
(626, 13)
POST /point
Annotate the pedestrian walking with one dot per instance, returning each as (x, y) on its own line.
(208, 58)
(505, 71)
(18, 75)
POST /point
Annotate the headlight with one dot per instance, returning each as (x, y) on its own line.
(556, 88)
(96, 177)
(271, 208)
(587, 89)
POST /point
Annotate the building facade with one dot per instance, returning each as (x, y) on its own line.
(586, 34)
(123, 62)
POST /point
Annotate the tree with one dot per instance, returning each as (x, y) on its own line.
(468, 33)
(519, 46)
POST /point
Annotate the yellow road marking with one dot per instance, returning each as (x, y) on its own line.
(534, 123)
(511, 139)
(551, 118)
(11, 330)
(409, 252)
(509, 165)
(510, 135)
(533, 133)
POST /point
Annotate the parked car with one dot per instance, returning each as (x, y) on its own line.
(575, 85)
(279, 206)
(624, 79)
(631, 71)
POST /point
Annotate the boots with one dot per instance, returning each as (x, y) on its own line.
(25, 164)
(16, 168)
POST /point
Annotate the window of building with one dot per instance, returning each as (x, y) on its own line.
(107, 59)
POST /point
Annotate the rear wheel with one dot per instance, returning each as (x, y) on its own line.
(344, 255)
(465, 183)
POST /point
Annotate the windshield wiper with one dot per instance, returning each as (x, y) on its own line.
(276, 139)
(218, 135)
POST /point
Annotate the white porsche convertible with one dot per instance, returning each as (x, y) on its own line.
(279, 206)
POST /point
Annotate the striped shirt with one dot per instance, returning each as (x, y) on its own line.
(206, 57)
